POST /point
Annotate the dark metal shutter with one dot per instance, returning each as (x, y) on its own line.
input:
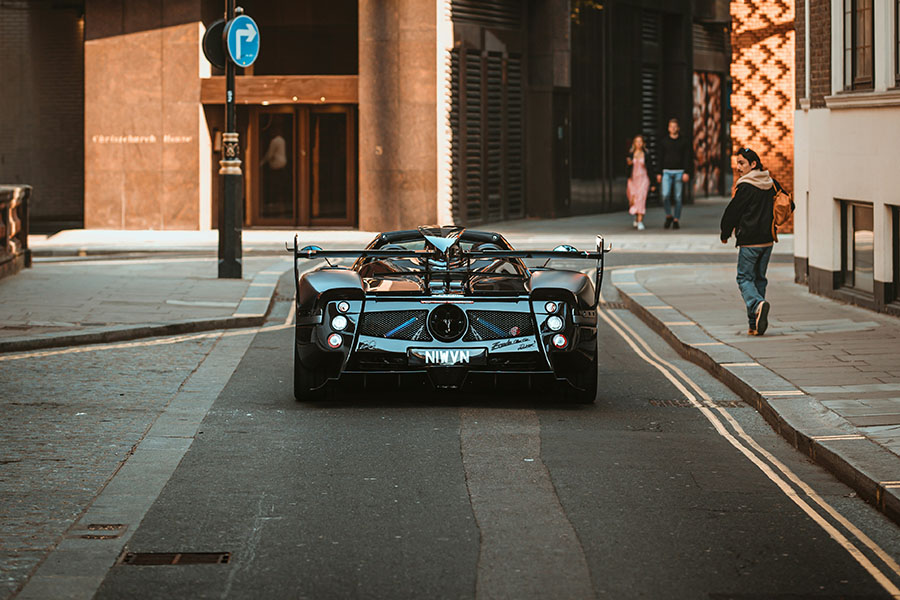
(515, 145)
(474, 211)
(487, 136)
(651, 87)
(506, 14)
(651, 26)
(708, 38)
(495, 126)
(650, 108)
(456, 162)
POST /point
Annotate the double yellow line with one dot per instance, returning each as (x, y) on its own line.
(797, 490)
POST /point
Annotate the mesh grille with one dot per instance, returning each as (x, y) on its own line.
(497, 325)
(396, 325)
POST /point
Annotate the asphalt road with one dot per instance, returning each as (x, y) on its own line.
(645, 494)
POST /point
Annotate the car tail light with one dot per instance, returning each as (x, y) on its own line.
(551, 307)
(560, 341)
(335, 340)
(343, 306)
(339, 323)
(554, 323)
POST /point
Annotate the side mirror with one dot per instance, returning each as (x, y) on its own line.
(309, 249)
(565, 248)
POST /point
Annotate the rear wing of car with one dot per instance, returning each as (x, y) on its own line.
(560, 252)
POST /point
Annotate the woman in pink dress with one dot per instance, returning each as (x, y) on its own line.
(638, 182)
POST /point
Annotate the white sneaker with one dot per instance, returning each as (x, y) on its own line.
(640, 226)
(634, 223)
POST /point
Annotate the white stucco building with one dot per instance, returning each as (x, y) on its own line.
(847, 150)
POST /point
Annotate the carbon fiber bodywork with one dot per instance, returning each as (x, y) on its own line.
(448, 307)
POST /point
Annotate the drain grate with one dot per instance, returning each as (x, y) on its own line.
(731, 404)
(685, 403)
(676, 403)
(612, 305)
(175, 558)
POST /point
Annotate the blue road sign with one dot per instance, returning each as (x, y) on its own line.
(242, 40)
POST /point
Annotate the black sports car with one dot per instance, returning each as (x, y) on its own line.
(449, 306)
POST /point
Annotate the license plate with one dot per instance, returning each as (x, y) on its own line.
(447, 357)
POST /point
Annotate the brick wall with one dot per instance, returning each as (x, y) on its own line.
(762, 72)
(819, 52)
(42, 108)
(800, 52)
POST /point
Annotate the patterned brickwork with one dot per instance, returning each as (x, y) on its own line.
(762, 70)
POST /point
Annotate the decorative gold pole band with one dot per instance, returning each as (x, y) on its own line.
(230, 164)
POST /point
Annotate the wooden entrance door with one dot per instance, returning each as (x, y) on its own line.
(302, 169)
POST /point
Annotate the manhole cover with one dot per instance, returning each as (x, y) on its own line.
(175, 558)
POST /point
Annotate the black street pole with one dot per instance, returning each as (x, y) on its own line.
(231, 215)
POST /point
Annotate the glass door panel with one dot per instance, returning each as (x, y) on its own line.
(329, 181)
(863, 248)
(276, 167)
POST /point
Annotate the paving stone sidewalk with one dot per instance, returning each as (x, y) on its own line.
(76, 302)
(825, 374)
(700, 222)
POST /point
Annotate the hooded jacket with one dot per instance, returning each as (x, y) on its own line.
(749, 214)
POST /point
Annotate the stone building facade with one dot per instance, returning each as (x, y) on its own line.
(358, 113)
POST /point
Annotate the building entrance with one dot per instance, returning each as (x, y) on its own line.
(302, 166)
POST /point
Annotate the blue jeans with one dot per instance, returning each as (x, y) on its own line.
(751, 278)
(671, 181)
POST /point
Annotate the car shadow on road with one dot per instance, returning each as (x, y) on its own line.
(344, 398)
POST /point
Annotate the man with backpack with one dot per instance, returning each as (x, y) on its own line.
(751, 216)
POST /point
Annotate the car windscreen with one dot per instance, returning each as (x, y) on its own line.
(459, 261)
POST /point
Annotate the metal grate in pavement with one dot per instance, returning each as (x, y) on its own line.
(174, 558)
(612, 305)
(685, 403)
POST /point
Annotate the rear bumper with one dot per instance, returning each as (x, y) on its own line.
(510, 360)
(448, 378)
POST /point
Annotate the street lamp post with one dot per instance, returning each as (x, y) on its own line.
(231, 217)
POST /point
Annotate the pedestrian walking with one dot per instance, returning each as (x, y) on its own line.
(749, 216)
(638, 182)
(676, 168)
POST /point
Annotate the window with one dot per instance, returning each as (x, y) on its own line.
(858, 246)
(895, 254)
(897, 42)
(859, 58)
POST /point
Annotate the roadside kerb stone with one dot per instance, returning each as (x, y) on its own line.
(250, 312)
(800, 419)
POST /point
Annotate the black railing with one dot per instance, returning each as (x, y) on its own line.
(14, 252)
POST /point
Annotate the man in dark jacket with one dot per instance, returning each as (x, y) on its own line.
(676, 167)
(749, 216)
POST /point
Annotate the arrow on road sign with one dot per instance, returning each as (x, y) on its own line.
(248, 32)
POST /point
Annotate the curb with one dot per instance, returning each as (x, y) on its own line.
(250, 312)
(800, 419)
